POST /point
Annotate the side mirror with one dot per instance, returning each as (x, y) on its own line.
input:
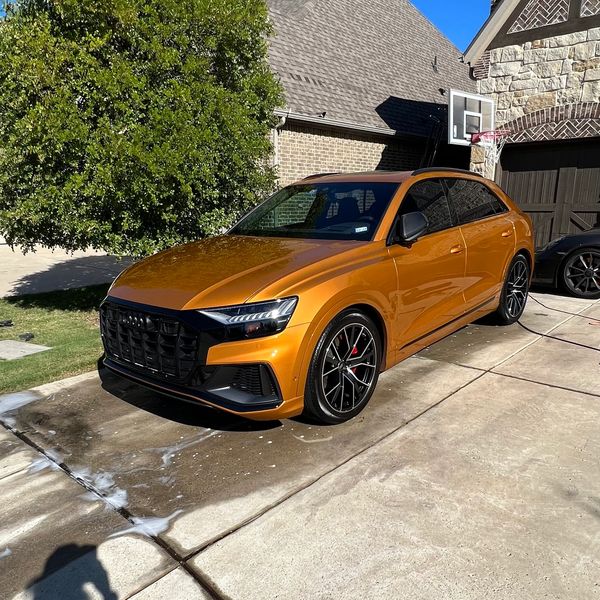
(410, 227)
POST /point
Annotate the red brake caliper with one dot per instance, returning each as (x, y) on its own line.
(354, 353)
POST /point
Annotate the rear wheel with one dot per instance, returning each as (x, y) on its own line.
(581, 273)
(514, 292)
(344, 369)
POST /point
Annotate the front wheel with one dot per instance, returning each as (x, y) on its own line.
(344, 369)
(581, 274)
(514, 292)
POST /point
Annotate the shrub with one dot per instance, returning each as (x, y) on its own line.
(132, 125)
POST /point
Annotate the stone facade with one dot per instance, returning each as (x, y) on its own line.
(301, 150)
(544, 89)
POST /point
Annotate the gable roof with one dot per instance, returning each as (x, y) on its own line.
(377, 64)
(489, 30)
(514, 22)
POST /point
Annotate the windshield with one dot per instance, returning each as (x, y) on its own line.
(332, 211)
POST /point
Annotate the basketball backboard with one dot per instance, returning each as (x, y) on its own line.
(468, 114)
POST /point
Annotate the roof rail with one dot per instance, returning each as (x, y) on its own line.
(319, 175)
(446, 170)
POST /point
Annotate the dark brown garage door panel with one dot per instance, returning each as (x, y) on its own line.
(557, 183)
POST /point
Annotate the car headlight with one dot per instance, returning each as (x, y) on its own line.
(254, 320)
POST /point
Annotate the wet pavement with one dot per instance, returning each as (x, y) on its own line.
(106, 473)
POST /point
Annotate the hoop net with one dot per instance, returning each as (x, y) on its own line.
(493, 142)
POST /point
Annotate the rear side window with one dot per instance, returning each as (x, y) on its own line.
(472, 200)
(429, 197)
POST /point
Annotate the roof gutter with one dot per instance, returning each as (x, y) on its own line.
(336, 123)
(489, 31)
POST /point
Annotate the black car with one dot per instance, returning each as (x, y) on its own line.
(572, 263)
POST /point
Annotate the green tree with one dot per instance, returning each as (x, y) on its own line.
(132, 125)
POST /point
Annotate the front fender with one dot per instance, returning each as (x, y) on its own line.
(333, 307)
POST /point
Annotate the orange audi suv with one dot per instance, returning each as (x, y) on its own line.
(314, 293)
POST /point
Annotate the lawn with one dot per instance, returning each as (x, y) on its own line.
(65, 320)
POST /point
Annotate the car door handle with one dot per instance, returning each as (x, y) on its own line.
(456, 249)
(507, 233)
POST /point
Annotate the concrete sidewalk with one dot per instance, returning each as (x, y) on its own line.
(473, 473)
(48, 270)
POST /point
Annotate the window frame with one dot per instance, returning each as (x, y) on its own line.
(391, 235)
(489, 190)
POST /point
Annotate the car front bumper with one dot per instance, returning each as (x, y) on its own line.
(186, 355)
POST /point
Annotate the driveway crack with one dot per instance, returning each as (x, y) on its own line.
(123, 512)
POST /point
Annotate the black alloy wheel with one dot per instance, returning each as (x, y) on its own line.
(344, 369)
(581, 273)
(515, 292)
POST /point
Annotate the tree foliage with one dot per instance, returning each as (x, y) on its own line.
(132, 125)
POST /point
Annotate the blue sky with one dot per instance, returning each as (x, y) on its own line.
(460, 20)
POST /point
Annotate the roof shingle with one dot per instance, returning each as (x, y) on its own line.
(378, 62)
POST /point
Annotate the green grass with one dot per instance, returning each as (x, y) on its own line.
(67, 321)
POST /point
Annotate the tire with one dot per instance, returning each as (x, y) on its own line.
(515, 291)
(580, 274)
(333, 393)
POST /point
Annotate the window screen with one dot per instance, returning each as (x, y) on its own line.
(428, 196)
(473, 200)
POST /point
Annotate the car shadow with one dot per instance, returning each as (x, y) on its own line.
(175, 409)
(538, 288)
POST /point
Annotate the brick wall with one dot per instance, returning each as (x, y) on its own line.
(302, 151)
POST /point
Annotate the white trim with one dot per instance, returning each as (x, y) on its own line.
(489, 31)
(458, 141)
(471, 113)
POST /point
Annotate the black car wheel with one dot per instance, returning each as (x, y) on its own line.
(514, 292)
(344, 369)
(581, 273)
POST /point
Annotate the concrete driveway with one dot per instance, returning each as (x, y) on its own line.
(474, 473)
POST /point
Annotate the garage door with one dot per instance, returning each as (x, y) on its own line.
(557, 183)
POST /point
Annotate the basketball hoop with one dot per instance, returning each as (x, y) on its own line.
(493, 142)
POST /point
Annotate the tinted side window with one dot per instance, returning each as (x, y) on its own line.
(429, 197)
(473, 200)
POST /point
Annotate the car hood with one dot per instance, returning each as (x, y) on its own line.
(220, 271)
